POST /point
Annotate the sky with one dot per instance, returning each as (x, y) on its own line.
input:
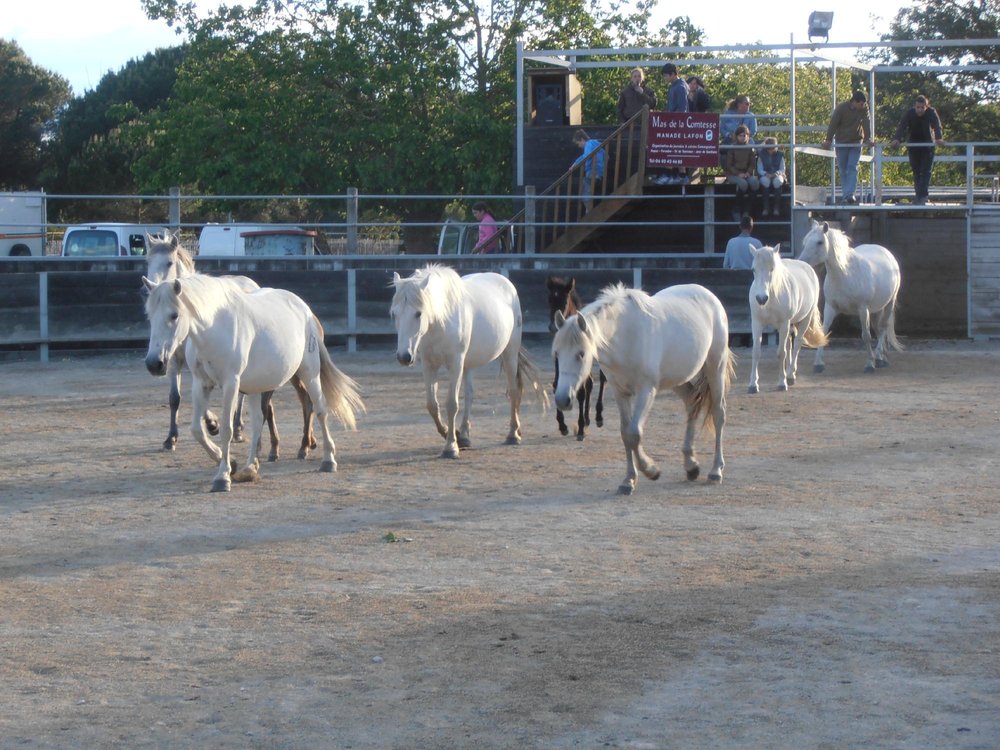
(70, 38)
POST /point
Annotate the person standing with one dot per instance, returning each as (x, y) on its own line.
(635, 96)
(487, 229)
(698, 98)
(738, 252)
(593, 166)
(677, 101)
(850, 126)
(920, 125)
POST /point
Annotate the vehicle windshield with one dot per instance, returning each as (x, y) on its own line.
(89, 243)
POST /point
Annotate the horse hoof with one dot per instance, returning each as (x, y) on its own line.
(303, 452)
(449, 453)
(693, 473)
(246, 475)
(869, 368)
(579, 437)
(328, 467)
(238, 437)
(170, 444)
(818, 368)
(512, 440)
(221, 485)
(464, 442)
(652, 474)
(625, 489)
(791, 381)
(781, 387)
(599, 421)
(563, 430)
(753, 389)
(881, 363)
(715, 478)
(272, 456)
(212, 427)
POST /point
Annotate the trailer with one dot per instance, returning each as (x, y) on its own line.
(22, 224)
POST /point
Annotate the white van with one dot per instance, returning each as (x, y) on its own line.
(253, 239)
(22, 224)
(108, 240)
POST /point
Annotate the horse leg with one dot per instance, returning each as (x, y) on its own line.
(267, 410)
(599, 408)
(796, 347)
(583, 397)
(866, 336)
(174, 373)
(828, 315)
(783, 342)
(757, 329)
(308, 438)
(249, 473)
(431, 388)
(451, 449)
(509, 362)
(632, 429)
(625, 416)
(560, 419)
(465, 425)
(691, 467)
(314, 390)
(717, 389)
(883, 321)
(238, 420)
(230, 401)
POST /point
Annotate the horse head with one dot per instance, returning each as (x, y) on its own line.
(168, 325)
(816, 245)
(167, 258)
(574, 350)
(562, 298)
(408, 316)
(766, 261)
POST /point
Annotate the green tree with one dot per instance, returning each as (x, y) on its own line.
(30, 97)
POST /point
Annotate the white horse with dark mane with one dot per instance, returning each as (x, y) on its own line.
(862, 281)
(166, 260)
(678, 339)
(460, 323)
(784, 295)
(251, 342)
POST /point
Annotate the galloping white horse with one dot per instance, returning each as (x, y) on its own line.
(245, 341)
(785, 295)
(461, 323)
(167, 259)
(862, 281)
(678, 338)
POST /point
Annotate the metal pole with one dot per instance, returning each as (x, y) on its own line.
(174, 209)
(352, 310)
(530, 207)
(352, 221)
(43, 316)
(519, 98)
(791, 136)
(833, 164)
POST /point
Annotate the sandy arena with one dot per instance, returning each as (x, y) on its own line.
(841, 588)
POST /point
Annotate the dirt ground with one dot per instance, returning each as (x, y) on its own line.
(841, 588)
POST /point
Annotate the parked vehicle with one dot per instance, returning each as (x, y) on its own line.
(459, 238)
(107, 240)
(22, 224)
(252, 239)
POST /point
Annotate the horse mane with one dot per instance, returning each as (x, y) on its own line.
(780, 278)
(165, 246)
(838, 248)
(609, 305)
(435, 290)
(200, 294)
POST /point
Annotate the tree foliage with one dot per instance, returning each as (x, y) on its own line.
(30, 97)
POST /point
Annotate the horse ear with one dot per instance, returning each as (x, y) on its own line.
(826, 227)
(777, 249)
(572, 283)
(753, 251)
(148, 284)
(582, 322)
(177, 287)
(395, 278)
(559, 319)
(174, 240)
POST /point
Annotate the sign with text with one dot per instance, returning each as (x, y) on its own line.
(683, 139)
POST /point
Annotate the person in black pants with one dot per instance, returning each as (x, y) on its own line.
(920, 125)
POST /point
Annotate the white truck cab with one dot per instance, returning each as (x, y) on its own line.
(22, 224)
(107, 240)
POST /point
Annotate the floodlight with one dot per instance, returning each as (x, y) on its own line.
(819, 24)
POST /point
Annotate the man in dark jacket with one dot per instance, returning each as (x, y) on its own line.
(920, 125)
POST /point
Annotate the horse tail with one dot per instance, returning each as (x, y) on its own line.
(702, 398)
(813, 336)
(529, 378)
(890, 327)
(343, 397)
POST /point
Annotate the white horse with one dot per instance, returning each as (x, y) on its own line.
(167, 259)
(862, 281)
(678, 339)
(245, 341)
(784, 295)
(461, 323)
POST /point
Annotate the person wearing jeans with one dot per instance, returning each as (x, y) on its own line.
(850, 127)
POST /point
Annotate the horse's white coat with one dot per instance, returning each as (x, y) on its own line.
(862, 281)
(460, 323)
(245, 341)
(784, 295)
(678, 339)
